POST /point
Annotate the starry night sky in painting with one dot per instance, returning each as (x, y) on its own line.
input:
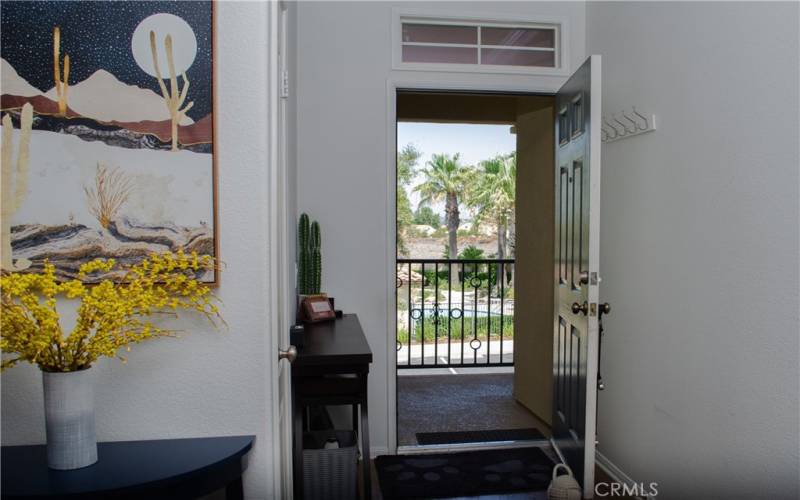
(97, 35)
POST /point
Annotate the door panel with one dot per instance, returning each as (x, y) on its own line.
(533, 268)
(575, 326)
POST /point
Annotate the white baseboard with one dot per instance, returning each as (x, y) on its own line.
(615, 472)
(612, 470)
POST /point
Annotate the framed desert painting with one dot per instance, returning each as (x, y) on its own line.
(108, 132)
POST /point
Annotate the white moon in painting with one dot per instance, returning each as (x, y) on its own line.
(184, 44)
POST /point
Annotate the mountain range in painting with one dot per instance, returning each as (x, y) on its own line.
(95, 113)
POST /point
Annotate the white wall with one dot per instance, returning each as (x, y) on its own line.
(207, 383)
(344, 61)
(700, 247)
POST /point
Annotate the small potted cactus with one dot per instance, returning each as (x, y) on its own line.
(309, 266)
(309, 272)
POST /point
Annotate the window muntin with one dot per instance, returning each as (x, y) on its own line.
(482, 44)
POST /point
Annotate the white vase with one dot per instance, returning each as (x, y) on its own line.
(69, 419)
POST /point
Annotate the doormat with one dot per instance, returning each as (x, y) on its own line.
(466, 473)
(425, 438)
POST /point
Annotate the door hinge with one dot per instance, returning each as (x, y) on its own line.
(284, 84)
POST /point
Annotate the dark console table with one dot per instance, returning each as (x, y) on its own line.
(331, 369)
(159, 469)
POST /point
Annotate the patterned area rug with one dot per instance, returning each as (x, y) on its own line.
(467, 473)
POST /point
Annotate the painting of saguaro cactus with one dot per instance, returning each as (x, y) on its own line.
(122, 159)
(61, 81)
(14, 182)
(174, 98)
(309, 258)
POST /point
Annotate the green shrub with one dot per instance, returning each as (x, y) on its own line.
(482, 325)
(471, 253)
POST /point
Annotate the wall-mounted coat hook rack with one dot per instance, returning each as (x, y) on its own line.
(622, 125)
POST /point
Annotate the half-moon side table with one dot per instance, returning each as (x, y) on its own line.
(158, 469)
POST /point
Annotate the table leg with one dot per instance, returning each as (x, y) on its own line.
(234, 490)
(355, 420)
(297, 440)
(367, 464)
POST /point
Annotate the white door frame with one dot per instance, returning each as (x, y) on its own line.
(429, 81)
(280, 265)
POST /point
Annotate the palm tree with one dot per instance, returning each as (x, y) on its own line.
(445, 179)
(493, 196)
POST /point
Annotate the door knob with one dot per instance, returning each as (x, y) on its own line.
(289, 354)
(578, 308)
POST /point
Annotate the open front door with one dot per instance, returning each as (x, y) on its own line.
(577, 258)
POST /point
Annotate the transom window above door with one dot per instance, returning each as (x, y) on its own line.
(453, 44)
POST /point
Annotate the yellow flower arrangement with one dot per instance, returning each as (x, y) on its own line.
(111, 315)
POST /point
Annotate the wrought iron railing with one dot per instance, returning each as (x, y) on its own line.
(455, 313)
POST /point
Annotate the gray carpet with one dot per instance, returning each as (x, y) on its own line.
(464, 402)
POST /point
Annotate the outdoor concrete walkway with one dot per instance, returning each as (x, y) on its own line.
(462, 402)
(439, 351)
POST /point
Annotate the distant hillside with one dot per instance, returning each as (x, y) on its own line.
(433, 248)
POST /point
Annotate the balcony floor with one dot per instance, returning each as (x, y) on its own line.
(470, 400)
